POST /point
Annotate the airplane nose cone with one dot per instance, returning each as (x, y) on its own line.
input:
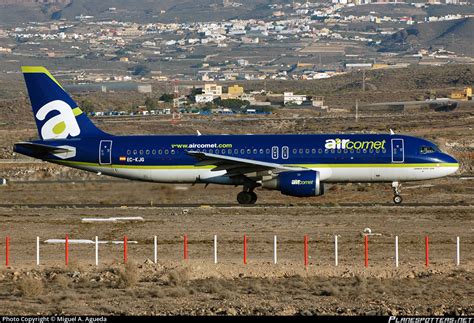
(452, 163)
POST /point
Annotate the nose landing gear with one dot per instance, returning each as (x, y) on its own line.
(397, 199)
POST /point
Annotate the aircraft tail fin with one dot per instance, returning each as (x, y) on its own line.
(57, 116)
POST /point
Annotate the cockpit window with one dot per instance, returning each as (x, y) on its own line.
(427, 150)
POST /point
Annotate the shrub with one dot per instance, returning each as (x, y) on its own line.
(178, 277)
(129, 276)
(30, 287)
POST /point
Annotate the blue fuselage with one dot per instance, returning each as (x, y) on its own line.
(351, 151)
(296, 165)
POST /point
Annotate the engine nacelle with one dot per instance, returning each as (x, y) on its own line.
(298, 183)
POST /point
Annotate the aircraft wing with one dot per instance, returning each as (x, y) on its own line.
(237, 166)
(42, 149)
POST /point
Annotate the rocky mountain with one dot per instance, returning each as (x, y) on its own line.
(453, 35)
(17, 11)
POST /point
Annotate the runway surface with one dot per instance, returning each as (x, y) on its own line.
(228, 205)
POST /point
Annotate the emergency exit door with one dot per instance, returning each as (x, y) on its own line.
(105, 152)
(398, 151)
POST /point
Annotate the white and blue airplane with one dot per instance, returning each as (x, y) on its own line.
(296, 165)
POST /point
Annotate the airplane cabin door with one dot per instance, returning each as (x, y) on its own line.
(105, 152)
(398, 151)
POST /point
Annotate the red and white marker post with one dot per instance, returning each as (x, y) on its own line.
(66, 251)
(7, 251)
(366, 251)
(427, 251)
(125, 249)
(245, 249)
(306, 252)
(185, 247)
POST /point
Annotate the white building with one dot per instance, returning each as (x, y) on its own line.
(213, 89)
(290, 98)
(242, 62)
(204, 98)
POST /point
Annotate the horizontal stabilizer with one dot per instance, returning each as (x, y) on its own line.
(42, 149)
(39, 150)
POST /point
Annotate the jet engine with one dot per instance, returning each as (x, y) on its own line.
(298, 183)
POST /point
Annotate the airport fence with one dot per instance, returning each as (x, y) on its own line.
(305, 242)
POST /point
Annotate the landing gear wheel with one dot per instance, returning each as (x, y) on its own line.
(397, 199)
(254, 197)
(245, 197)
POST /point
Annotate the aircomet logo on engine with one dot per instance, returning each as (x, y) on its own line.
(300, 182)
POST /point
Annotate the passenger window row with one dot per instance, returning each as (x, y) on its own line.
(255, 151)
(152, 152)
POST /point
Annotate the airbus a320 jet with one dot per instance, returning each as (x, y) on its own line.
(295, 165)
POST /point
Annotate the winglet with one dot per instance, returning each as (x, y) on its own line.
(198, 133)
(391, 132)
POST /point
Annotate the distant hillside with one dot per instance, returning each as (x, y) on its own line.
(393, 10)
(13, 11)
(19, 11)
(454, 35)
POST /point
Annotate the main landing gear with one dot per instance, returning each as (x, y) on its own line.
(247, 197)
(397, 198)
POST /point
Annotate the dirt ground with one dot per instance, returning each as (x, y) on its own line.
(197, 286)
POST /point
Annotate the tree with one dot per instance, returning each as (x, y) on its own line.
(56, 15)
(192, 96)
(233, 104)
(167, 97)
(121, 52)
(370, 28)
(150, 103)
(140, 70)
(87, 106)
(208, 107)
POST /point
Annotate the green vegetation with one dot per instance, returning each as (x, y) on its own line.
(140, 70)
(192, 95)
(87, 106)
(233, 104)
(168, 98)
(150, 103)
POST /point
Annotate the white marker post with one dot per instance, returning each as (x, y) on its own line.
(96, 251)
(37, 251)
(215, 249)
(336, 262)
(396, 251)
(275, 249)
(458, 252)
(155, 244)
